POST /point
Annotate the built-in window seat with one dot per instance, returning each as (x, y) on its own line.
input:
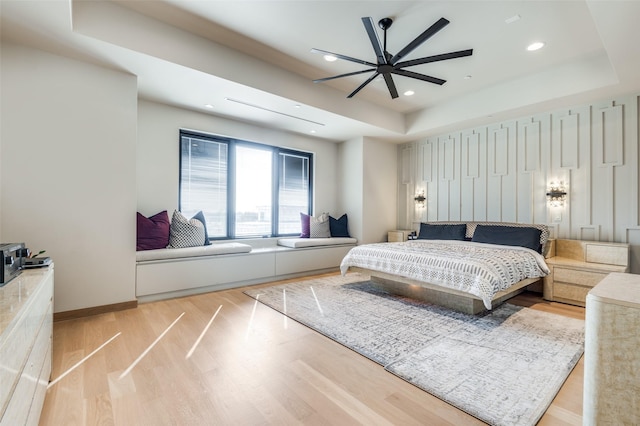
(210, 250)
(315, 242)
(166, 273)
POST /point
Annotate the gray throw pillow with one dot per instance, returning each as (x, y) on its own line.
(319, 226)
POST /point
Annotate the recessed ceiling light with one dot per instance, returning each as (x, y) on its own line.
(409, 93)
(330, 58)
(297, 106)
(209, 106)
(467, 77)
(535, 46)
(512, 19)
(312, 131)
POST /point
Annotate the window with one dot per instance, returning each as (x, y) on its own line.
(244, 189)
(254, 183)
(203, 182)
(293, 191)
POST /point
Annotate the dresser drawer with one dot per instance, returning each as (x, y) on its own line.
(570, 293)
(41, 391)
(576, 276)
(19, 406)
(398, 235)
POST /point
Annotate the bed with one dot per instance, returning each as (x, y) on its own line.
(467, 266)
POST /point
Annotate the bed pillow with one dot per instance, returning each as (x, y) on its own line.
(185, 232)
(442, 232)
(508, 236)
(339, 227)
(319, 226)
(152, 232)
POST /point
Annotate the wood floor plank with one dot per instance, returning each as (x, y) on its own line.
(429, 412)
(250, 365)
(99, 410)
(345, 401)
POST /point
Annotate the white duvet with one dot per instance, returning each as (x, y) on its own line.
(476, 268)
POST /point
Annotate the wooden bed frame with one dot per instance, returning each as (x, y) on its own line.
(449, 298)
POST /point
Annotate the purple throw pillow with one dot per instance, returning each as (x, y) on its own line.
(152, 232)
(305, 221)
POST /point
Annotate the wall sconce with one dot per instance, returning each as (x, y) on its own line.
(419, 199)
(556, 194)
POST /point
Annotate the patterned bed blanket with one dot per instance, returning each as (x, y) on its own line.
(479, 269)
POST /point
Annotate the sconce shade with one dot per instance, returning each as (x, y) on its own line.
(556, 195)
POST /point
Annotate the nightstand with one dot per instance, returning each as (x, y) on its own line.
(398, 236)
(577, 266)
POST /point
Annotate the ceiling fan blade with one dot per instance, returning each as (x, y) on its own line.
(434, 58)
(369, 80)
(440, 24)
(391, 86)
(343, 75)
(346, 58)
(417, 76)
(375, 41)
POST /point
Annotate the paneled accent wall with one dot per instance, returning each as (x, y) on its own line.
(502, 172)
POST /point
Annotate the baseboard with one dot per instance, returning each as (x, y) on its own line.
(96, 310)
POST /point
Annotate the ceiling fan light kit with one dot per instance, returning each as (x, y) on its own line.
(387, 64)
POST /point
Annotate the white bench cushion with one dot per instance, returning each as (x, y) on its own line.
(178, 253)
(315, 242)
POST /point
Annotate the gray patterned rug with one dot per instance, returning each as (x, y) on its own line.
(504, 367)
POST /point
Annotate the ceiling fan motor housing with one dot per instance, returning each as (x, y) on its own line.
(385, 23)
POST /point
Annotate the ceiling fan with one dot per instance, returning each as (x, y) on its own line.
(388, 64)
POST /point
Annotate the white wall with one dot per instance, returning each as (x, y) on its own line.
(368, 186)
(351, 194)
(68, 172)
(1, 127)
(380, 190)
(158, 154)
(501, 172)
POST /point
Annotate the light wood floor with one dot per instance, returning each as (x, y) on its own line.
(251, 366)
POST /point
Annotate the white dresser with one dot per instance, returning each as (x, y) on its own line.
(612, 352)
(26, 317)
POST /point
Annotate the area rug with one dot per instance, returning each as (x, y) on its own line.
(503, 367)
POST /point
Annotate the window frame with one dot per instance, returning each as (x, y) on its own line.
(276, 156)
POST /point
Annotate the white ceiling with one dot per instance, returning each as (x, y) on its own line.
(196, 53)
